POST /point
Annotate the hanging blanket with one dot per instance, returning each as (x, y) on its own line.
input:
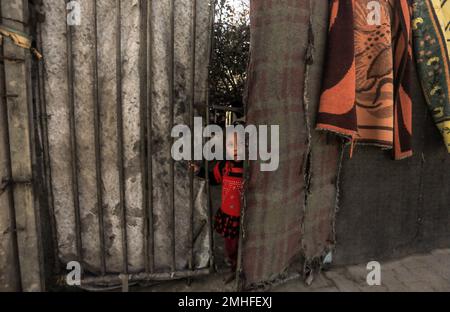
(365, 93)
(431, 27)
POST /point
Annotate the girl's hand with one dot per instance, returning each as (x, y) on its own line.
(194, 167)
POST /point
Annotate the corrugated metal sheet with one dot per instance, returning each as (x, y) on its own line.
(115, 85)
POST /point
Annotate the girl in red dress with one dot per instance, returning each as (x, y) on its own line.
(228, 173)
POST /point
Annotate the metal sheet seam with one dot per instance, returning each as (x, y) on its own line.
(120, 135)
(307, 157)
(144, 103)
(240, 275)
(43, 119)
(171, 124)
(420, 198)
(150, 249)
(97, 138)
(36, 179)
(191, 123)
(338, 194)
(73, 144)
(212, 4)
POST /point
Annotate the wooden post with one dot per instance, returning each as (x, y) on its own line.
(18, 101)
(9, 273)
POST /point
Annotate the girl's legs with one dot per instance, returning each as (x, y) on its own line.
(231, 251)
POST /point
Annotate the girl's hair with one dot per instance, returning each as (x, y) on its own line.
(238, 122)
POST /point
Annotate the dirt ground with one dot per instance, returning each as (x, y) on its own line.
(421, 272)
(426, 272)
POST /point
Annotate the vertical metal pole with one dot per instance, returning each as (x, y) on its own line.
(191, 122)
(45, 146)
(151, 234)
(208, 188)
(33, 142)
(120, 147)
(73, 142)
(98, 161)
(171, 122)
(239, 268)
(143, 116)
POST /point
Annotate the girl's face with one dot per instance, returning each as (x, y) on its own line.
(232, 147)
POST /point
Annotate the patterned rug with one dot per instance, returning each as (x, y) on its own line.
(431, 28)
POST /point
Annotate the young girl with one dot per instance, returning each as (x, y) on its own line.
(229, 173)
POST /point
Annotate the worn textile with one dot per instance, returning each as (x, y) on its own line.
(226, 225)
(366, 82)
(272, 217)
(432, 51)
(320, 203)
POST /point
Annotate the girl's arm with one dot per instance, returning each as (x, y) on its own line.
(215, 176)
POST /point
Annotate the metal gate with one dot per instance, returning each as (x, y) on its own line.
(98, 113)
(131, 70)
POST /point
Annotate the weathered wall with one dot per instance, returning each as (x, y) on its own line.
(392, 208)
(385, 208)
(366, 208)
(113, 92)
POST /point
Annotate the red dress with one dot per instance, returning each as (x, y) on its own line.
(227, 219)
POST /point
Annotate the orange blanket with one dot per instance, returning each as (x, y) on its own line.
(366, 82)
